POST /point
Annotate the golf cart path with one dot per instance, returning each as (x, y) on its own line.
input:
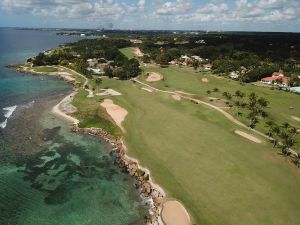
(86, 81)
(226, 114)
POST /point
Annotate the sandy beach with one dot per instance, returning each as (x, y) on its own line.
(64, 107)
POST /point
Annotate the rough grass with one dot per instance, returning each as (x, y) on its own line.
(45, 69)
(91, 114)
(193, 153)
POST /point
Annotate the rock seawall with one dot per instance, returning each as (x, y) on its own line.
(151, 193)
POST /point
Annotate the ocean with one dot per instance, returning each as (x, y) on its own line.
(49, 175)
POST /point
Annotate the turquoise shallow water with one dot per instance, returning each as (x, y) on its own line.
(49, 175)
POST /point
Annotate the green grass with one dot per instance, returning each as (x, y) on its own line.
(193, 153)
(185, 79)
(91, 114)
(128, 52)
(45, 69)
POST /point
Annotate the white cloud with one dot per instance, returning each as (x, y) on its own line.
(172, 7)
(156, 12)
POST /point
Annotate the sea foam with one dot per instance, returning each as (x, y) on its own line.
(3, 124)
(9, 111)
(7, 114)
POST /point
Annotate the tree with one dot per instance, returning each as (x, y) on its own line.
(263, 103)
(146, 59)
(215, 89)
(195, 64)
(98, 81)
(162, 59)
(132, 68)
(81, 66)
(275, 134)
(108, 71)
(252, 119)
(120, 73)
(270, 124)
(227, 95)
(39, 60)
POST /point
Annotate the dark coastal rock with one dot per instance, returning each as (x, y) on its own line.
(127, 165)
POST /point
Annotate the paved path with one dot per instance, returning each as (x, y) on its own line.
(197, 101)
(86, 81)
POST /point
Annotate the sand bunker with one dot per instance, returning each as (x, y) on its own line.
(153, 77)
(116, 112)
(205, 80)
(138, 52)
(296, 118)
(184, 93)
(174, 213)
(108, 92)
(147, 89)
(247, 136)
(176, 97)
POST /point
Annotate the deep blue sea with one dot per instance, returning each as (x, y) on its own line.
(48, 175)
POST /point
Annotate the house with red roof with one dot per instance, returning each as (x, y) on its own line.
(277, 78)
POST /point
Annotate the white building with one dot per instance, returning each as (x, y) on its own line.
(234, 75)
(96, 70)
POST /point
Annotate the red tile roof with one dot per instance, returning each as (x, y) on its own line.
(277, 76)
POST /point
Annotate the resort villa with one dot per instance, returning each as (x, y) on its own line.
(277, 78)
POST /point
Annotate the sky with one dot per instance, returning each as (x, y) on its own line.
(221, 15)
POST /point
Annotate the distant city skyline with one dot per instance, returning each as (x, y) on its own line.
(225, 15)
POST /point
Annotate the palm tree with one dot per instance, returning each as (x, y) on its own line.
(285, 125)
(293, 131)
(287, 142)
(275, 134)
(238, 114)
(270, 125)
(263, 103)
(297, 160)
(227, 95)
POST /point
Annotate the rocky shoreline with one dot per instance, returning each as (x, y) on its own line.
(151, 193)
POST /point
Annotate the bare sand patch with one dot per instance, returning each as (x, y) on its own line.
(174, 213)
(296, 118)
(147, 89)
(205, 80)
(153, 77)
(116, 112)
(247, 136)
(64, 107)
(184, 93)
(138, 52)
(108, 92)
(176, 97)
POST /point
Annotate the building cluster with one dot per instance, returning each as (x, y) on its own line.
(96, 65)
(278, 79)
(136, 41)
(185, 60)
